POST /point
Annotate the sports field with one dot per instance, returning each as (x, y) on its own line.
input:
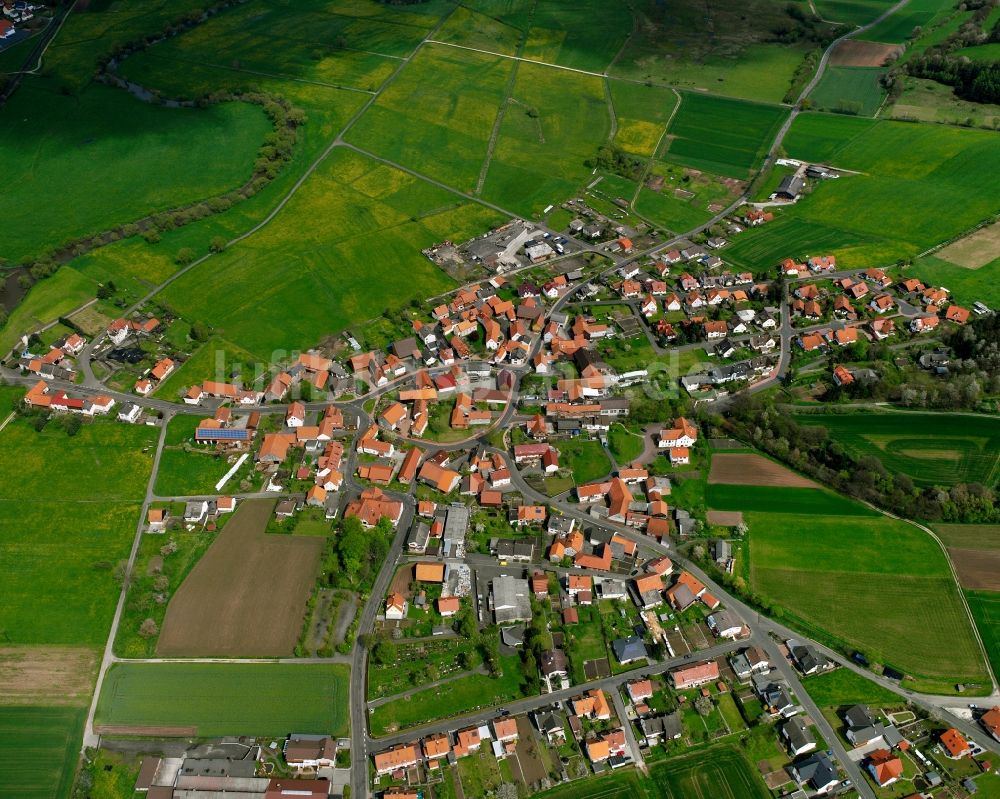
(724, 136)
(353, 225)
(853, 90)
(255, 609)
(216, 699)
(933, 448)
(163, 158)
(878, 574)
(68, 511)
(47, 742)
(890, 211)
(717, 773)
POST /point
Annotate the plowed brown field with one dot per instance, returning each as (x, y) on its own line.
(247, 596)
(750, 469)
(978, 569)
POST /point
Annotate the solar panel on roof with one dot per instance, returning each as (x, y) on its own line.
(222, 434)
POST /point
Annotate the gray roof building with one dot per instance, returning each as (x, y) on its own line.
(630, 649)
(511, 599)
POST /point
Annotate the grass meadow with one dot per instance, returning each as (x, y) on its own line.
(351, 44)
(642, 112)
(47, 741)
(68, 512)
(985, 607)
(555, 121)
(851, 12)
(216, 359)
(861, 582)
(932, 448)
(854, 90)
(71, 59)
(482, 30)
(265, 699)
(586, 459)
(437, 116)
(899, 27)
(892, 210)
(966, 285)
(727, 137)
(720, 772)
(764, 499)
(162, 158)
(845, 687)
(687, 198)
(462, 695)
(737, 59)
(565, 34)
(355, 224)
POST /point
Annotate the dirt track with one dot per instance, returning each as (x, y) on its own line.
(725, 518)
(978, 569)
(749, 469)
(858, 53)
(246, 597)
(146, 732)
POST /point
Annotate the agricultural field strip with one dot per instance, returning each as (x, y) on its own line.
(338, 140)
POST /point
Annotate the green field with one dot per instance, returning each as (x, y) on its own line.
(454, 698)
(720, 46)
(966, 285)
(437, 116)
(727, 137)
(47, 742)
(845, 687)
(565, 34)
(626, 445)
(890, 211)
(720, 772)
(263, 699)
(586, 459)
(785, 500)
(929, 101)
(853, 90)
(68, 512)
(899, 27)
(555, 121)
(163, 158)
(353, 225)
(985, 607)
(879, 574)
(851, 12)
(642, 112)
(932, 448)
(350, 43)
(688, 197)
(216, 359)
